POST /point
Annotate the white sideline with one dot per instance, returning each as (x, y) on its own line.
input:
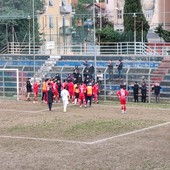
(85, 143)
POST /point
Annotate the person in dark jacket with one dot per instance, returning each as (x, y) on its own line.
(135, 88)
(119, 66)
(59, 89)
(50, 95)
(28, 88)
(110, 68)
(143, 92)
(156, 89)
(57, 77)
(91, 71)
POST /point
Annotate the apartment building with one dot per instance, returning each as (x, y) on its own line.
(54, 21)
(155, 11)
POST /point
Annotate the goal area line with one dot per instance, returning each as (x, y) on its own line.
(100, 141)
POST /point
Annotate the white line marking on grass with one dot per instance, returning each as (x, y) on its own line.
(129, 133)
(85, 143)
(28, 111)
(44, 139)
(8, 110)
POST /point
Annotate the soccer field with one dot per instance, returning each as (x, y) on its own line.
(99, 137)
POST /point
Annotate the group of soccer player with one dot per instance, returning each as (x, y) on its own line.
(79, 93)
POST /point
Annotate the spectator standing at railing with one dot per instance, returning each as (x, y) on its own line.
(76, 76)
(143, 92)
(91, 71)
(110, 68)
(156, 88)
(119, 66)
(100, 78)
(86, 64)
(135, 88)
(57, 77)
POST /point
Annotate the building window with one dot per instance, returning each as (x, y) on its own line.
(51, 23)
(51, 3)
(119, 14)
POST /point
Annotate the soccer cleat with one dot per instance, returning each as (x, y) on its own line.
(80, 105)
(122, 111)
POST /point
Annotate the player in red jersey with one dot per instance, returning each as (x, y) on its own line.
(55, 90)
(70, 87)
(96, 91)
(63, 84)
(82, 91)
(36, 86)
(122, 94)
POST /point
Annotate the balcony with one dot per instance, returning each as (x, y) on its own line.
(65, 9)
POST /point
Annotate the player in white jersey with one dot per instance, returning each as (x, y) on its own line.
(65, 98)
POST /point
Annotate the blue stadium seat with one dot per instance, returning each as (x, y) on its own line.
(129, 64)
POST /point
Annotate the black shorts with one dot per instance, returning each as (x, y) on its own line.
(29, 90)
(76, 95)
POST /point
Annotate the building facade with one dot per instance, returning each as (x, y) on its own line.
(54, 21)
(155, 11)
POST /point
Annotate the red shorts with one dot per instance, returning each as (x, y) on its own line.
(123, 101)
(71, 93)
(55, 93)
(81, 97)
(35, 93)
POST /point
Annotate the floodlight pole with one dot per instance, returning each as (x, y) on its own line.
(94, 27)
(134, 15)
(33, 11)
(29, 33)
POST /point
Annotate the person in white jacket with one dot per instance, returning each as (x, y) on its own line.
(65, 98)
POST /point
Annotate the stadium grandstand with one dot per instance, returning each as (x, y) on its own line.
(155, 68)
(59, 53)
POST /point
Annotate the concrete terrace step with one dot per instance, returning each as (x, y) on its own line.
(162, 72)
(156, 79)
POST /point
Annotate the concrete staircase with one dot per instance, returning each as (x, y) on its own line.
(158, 75)
(47, 66)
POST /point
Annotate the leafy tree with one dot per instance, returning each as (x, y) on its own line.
(159, 30)
(107, 34)
(162, 33)
(166, 36)
(131, 9)
(14, 16)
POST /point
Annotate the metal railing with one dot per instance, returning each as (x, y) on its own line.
(87, 48)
